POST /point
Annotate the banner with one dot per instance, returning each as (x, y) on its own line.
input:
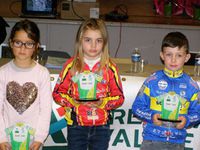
(126, 130)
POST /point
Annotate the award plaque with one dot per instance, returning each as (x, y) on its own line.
(87, 85)
(20, 136)
(170, 107)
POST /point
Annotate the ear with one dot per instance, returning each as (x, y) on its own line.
(37, 45)
(187, 57)
(162, 56)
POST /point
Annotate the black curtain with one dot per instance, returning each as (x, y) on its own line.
(3, 25)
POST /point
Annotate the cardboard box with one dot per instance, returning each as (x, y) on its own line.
(79, 10)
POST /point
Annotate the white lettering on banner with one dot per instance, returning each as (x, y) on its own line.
(126, 130)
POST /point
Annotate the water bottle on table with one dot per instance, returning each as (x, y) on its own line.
(197, 65)
(135, 58)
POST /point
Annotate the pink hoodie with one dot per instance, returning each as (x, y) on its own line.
(25, 96)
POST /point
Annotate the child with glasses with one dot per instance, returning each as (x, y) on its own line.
(25, 92)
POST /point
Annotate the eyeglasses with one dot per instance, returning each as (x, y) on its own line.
(19, 44)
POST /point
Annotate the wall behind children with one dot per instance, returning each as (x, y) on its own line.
(58, 34)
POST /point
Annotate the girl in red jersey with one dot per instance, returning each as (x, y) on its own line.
(89, 87)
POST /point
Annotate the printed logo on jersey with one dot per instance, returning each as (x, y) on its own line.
(182, 86)
(152, 77)
(182, 93)
(193, 83)
(162, 84)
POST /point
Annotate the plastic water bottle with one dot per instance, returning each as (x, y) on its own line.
(197, 65)
(142, 65)
(135, 58)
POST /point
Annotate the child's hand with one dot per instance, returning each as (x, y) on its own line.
(94, 103)
(35, 145)
(181, 125)
(5, 146)
(77, 102)
(156, 121)
(97, 103)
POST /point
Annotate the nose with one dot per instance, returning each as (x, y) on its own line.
(174, 58)
(23, 47)
(94, 44)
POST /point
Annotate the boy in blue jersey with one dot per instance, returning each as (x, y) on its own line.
(167, 102)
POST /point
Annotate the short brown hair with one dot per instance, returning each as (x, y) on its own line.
(174, 39)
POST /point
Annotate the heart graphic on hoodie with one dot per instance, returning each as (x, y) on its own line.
(21, 97)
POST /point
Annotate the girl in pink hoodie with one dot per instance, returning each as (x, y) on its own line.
(25, 92)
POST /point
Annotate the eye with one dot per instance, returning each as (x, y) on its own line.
(168, 54)
(18, 43)
(180, 55)
(29, 44)
(100, 40)
(87, 39)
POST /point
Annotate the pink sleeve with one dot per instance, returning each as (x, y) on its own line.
(3, 137)
(45, 96)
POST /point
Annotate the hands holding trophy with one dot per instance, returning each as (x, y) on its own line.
(171, 104)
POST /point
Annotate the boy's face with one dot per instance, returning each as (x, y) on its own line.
(174, 58)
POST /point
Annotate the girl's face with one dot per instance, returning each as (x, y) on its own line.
(92, 44)
(174, 58)
(22, 46)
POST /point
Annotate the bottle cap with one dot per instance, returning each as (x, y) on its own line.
(136, 49)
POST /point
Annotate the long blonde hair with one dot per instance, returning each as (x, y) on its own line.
(90, 24)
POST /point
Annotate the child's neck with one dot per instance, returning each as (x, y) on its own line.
(91, 63)
(24, 63)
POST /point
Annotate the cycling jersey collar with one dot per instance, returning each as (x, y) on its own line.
(173, 74)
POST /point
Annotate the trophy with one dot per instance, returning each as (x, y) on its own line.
(170, 106)
(20, 136)
(87, 84)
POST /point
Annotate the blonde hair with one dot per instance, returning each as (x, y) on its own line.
(90, 24)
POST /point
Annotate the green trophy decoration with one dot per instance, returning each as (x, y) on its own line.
(170, 106)
(21, 135)
(87, 82)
